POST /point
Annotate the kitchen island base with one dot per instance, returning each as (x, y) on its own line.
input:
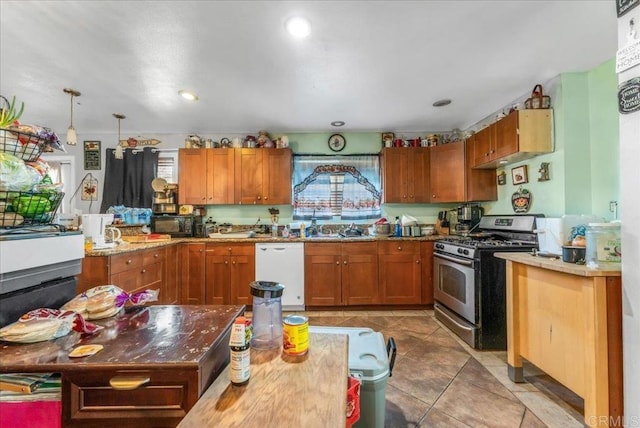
(566, 319)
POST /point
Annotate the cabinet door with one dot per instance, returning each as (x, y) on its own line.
(482, 143)
(506, 136)
(426, 260)
(242, 272)
(276, 176)
(220, 176)
(217, 282)
(447, 173)
(192, 264)
(481, 183)
(169, 290)
(192, 181)
(128, 280)
(418, 171)
(394, 174)
(399, 273)
(248, 176)
(360, 273)
(322, 275)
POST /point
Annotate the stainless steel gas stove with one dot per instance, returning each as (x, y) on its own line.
(470, 284)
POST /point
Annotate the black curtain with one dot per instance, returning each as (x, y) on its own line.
(127, 181)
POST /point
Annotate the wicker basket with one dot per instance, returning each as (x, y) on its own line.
(537, 100)
(23, 145)
(20, 209)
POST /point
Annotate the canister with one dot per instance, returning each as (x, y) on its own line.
(406, 230)
(416, 231)
(603, 243)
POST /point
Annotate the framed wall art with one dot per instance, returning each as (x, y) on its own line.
(519, 175)
(502, 178)
(92, 155)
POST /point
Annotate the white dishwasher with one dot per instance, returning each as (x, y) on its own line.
(283, 262)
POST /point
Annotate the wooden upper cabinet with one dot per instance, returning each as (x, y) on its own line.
(481, 183)
(276, 176)
(405, 174)
(220, 176)
(263, 176)
(192, 181)
(228, 176)
(519, 136)
(448, 173)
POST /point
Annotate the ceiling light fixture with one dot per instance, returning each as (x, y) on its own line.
(188, 95)
(337, 123)
(72, 138)
(442, 103)
(119, 153)
(298, 27)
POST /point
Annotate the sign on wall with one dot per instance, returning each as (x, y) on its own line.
(91, 155)
(629, 96)
(624, 6)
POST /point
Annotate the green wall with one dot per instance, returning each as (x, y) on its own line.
(583, 167)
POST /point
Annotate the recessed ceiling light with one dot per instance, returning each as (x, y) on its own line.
(298, 26)
(442, 103)
(337, 123)
(188, 95)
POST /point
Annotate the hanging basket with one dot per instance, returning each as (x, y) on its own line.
(537, 100)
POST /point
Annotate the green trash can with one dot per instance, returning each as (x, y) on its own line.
(371, 362)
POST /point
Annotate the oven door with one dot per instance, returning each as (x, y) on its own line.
(455, 285)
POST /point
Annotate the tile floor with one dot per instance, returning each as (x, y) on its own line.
(439, 381)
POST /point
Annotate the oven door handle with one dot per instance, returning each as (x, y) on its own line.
(455, 259)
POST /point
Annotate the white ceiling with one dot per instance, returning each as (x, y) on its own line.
(377, 65)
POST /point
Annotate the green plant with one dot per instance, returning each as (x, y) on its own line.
(8, 113)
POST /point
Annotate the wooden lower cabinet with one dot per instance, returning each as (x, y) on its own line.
(133, 271)
(192, 273)
(400, 272)
(340, 274)
(426, 257)
(230, 269)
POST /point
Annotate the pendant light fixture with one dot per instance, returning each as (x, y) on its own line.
(72, 139)
(119, 153)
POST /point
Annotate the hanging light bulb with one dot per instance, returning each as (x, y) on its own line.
(72, 138)
(119, 154)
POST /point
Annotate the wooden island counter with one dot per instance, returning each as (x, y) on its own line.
(284, 391)
(566, 319)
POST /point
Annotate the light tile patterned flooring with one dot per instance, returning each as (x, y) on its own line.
(439, 381)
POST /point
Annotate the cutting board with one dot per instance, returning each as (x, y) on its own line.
(145, 239)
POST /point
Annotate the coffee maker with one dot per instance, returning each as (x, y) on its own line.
(165, 197)
(468, 217)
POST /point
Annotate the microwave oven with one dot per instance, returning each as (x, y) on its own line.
(178, 226)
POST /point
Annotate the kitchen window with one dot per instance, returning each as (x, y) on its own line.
(336, 187)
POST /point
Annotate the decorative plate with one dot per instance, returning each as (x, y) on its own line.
(337, 143)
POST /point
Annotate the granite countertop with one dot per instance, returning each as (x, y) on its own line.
(556, 264)
(126, 247)
(139, 337)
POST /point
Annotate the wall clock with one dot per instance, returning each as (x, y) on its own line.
(337, 143)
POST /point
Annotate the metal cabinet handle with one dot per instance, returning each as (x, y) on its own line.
(345, 262)
(127, 383)
(399, 248)
(144, 271)
(337, 262)
(129, 261)
(266, 197)
(418, 261)
(156, 255)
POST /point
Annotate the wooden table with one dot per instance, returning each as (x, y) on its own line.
(155, 364)
(567, 320)
(283, 391)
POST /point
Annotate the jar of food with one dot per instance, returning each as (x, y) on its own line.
(603, 244)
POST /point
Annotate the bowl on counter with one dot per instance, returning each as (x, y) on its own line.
(573, 254)
(382, 229)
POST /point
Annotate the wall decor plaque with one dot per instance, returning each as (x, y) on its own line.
(629, 96)
(92, 155)
(521, 201)
(624, 6)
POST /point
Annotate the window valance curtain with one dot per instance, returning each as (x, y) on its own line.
(346, 187)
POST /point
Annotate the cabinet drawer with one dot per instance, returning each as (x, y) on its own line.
(399, 247)
(151, 275)
(94, 399)
(126, 261)
(153, 255)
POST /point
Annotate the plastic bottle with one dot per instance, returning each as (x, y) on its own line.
(285, 232)
(398, 229)
(274, 230)
(240, 352)
(302, 230)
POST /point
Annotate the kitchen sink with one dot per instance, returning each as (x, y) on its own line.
(232, 235)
